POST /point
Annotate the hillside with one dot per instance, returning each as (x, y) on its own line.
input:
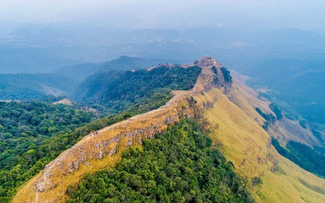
(229, 110)
(237, 130)
(34, 86)
(118, 91)
(292, 82)
(178, 165)
(31, 135)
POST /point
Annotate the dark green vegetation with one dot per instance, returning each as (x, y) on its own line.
(31, 134)
(215, 77)
(226, 74)
(303, 123)
(277, 111)
(303, 156)
(214, 69)
(29, 86)
(269, 118)
(119, 91)
(317, 134)
(177, 166)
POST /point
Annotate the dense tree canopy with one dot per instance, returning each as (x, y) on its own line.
(118, 91)
(177, 166)
(226, 74)
(26, 131)
(304, 156)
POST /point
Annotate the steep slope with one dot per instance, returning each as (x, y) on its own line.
(236, 129)
(296, 81)
(118, 91)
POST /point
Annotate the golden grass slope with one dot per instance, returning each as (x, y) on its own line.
(236, 129)
(64, 101)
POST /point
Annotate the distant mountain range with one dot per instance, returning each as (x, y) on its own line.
(80, 71)
(64, 81)
(34, 49)
(34, 86)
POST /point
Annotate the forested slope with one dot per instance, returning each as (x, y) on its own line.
(59, 138)
(178, 165)
(31, 134)
(149, 89)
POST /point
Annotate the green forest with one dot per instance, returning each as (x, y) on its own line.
(303, 156)
(119, 91)
(179, 165)
(28, 139)
(226, 74)
(269, 118)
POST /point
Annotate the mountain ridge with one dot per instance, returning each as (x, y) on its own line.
(41, 187)
(236, 127)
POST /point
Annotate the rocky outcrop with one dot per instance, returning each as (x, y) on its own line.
(106, 143)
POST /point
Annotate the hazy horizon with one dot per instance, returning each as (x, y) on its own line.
(143, 14)
(40, 36)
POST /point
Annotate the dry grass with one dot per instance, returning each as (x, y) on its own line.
(238, 133)
(64, 101)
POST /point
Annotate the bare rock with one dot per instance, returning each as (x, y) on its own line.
(113, 151)
(129, 142)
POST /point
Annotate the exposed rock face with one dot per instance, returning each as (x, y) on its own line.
(94, 148)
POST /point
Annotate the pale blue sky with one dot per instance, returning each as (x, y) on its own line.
(168, 13)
